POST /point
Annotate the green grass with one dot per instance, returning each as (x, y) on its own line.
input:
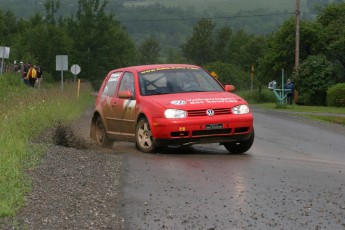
(25, 112)
(322, 113)
(266, 100)
(332, 119)
(303, 108)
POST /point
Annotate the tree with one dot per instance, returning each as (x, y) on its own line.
(244, 49)
(149, 52)
(52, 7)
(174, 56)
(230, 74)
(280, 48)
(8, 27)
(315, 76)
(223, 37)
(42, 41)
(332, 18)
(199, 49)
(100, 42)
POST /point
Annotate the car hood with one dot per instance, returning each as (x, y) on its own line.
(198, 100)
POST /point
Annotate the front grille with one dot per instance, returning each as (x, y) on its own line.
(210, 132)
(202, 112)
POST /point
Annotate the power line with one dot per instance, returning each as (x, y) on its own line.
(208, 18)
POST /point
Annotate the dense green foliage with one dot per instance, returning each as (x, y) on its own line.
(257, 96)
(229, 53)
(149, 52)
(315, 76)
(332, 20)
(336, 95)
(199, 48)
(230, 74)
(280, 48)
(92, 39)
(321, 54)
(100, 42)
(102, 35)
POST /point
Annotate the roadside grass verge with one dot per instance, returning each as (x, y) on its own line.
(321, 113)
(332, 119)
(24, 113)
(303, 108)
(266, 100)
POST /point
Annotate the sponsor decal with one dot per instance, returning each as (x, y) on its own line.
(167, 68)
(178, 102)
(129, 104)
(106, 100)
(211, 100)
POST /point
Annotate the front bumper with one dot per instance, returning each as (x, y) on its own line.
(198, 131)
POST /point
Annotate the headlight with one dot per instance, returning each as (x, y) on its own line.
(240, 109)
(175, 113)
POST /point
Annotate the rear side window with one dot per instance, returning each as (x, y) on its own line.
(110, 87)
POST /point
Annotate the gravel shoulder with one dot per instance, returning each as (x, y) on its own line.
(76, 185)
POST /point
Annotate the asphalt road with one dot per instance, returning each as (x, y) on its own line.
(292, 178)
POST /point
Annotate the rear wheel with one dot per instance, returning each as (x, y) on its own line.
(144, 138)
(238, 147)
(101, 135)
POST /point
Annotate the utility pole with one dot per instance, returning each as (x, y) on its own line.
(297, 35)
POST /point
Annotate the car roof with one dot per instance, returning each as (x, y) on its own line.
(140, 68)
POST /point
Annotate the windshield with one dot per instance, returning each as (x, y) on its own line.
(176, 80)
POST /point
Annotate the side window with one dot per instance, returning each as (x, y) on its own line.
(127, 83)
(110, 87)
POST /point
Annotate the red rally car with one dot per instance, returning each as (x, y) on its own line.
(170, 104)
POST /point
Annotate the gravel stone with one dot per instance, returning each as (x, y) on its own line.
(75, 186)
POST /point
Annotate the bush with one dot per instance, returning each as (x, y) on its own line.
(230, 75)
(314, 77)
(265, 96)
(336, 95)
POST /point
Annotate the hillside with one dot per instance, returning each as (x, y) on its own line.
(26, 8)
(170, 22)
(229, 6)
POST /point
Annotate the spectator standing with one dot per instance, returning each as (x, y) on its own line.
(26, 73)
(31, 76)
(289, 86)
(39, 76)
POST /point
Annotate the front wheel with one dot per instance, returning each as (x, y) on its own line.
(101, 135)
(144, 138)
(238, 147)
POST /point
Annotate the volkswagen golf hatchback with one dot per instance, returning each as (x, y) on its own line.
(164, 105)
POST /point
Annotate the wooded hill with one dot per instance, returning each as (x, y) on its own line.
(98, 40)
(170, 21)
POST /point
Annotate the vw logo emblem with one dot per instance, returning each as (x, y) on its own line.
(210, 112)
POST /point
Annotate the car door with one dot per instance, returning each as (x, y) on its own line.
(128, 109)
(110, 104)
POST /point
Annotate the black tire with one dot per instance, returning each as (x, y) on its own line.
(144, 138)
(239, 147)
(101, 135)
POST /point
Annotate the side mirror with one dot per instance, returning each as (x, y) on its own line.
(125, 94)
(230, 88)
